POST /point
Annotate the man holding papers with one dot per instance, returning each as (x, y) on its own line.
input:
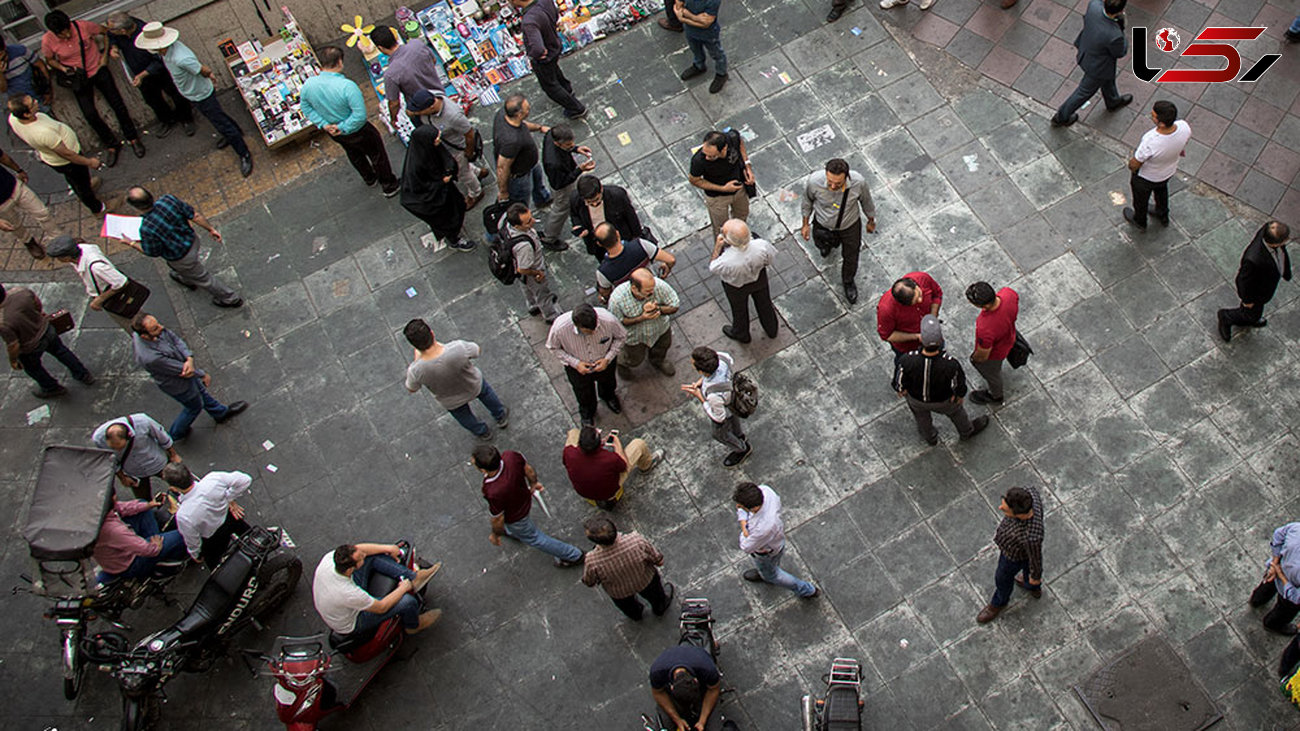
(165, 232)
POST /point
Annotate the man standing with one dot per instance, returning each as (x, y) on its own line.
(101, 279)
(741, 262)
(165, 232)
(530, 264)
(597, 203)
(624, 565)
(458, 135)
(58, 146)
(542, 44)
(194, 81)
(1019, 539)
(19, 66)
(167, 358)
(995, 335)
(509, 483)
(899, 311)
(587, 340)
(713, 390)
(28, 335)
(208, 516)
(76, 47)
(17, 201)
(1281, 579)
(339, 593)
(686, 684)
(598, 467)
(149, 75)
(1154, 162)
(762, 536)
(645, 305)
(699, 19)
(1263, 264)
(934, 383)
(623, 258)
(445, 369)
(519, 167)
(830, 215)
(412, 67)
(143, 448)
(721, 169)
(562, 172)
(1101, 44)
(334, 103)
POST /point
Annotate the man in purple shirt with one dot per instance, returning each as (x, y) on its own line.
(411, 68)
(130, 544)
(542, 44)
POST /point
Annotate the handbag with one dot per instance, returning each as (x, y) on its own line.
(824, 238)
(127, 301)
(1020, 351)
(62, 321)
(75, 79)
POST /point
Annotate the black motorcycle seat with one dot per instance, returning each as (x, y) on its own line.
(348, 643)
(218, 596)
(841, 711)
(380, 585)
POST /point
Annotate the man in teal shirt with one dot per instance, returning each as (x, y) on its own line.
(194, 81)
(334, 103)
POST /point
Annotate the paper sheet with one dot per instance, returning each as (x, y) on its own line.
(126, 228)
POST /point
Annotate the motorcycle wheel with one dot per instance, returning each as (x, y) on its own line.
(74, 663)
(139, 714)
(279, 577)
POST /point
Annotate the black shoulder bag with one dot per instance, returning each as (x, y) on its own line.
(127, 301)
(824, 238)
(75, 79)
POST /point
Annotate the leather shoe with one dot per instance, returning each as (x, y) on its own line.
(1065, 122)
(667, 25)
(1124, 101)
(1006, 4)
(816, 593)
(138, 148)
(188, 128)
(851, 292)
(614, 404)
(735, 458)
(1225, 330)
(1131, 216)
(164, 129)
(246, 165)
(1262, 322)
(562, 564)
(730, 332)
(1034, 591)
(181, 280)
(980, 423)
(670, 592)
(34, 249)
(719, 81)
(232, 304)
(983, 397)
(555, 245)
(223, 143)
(1288, 630)
(988, 614)
(834, 15)
(932, 440)
(39, 392)
(752, 575)
(110, 156)
(232, 410)
(691, 72)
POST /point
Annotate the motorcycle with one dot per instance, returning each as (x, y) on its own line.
(302, 692)
(258, 573)
(840, 708)
(695, 625)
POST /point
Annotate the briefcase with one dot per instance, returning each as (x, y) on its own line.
(62, 321)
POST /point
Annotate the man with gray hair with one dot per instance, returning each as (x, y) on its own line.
(149, 75)
(741, 262)
(934, 383)
(142, 447)
(165, 232)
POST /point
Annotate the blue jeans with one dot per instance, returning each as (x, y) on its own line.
(408, 607)
(769, 567)
(533, 184)
(466, 418)
(195, 403)
(1295, 25)
(1004, 579)
(145, 525)
(225, 126)
(528, 534)
(51, 343)
(713, 45)
(1089, 86)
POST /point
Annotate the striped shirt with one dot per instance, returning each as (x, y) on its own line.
(572, 346)
(1022, 540)
(624, 568)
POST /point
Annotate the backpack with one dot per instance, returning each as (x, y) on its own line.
(492, 217)
(744, 395)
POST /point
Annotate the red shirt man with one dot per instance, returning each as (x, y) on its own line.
(995, 335)
(899, 312)
(507, 491)
(509, 484)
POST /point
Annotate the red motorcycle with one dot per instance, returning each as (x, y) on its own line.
(303, 694)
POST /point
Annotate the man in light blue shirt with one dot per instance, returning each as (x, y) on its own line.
(194, 81)
(762, 536)
(1281, 579)
(334, 103)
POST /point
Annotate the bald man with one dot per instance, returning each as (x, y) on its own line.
(645, 305)
(741, 261)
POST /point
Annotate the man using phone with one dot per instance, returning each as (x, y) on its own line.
(598, 464)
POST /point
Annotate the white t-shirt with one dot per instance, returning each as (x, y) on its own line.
(338, 599)
(97, 272)
(1159, 153)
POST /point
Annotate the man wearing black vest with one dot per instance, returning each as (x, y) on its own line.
(624, 257)
(1264, 263)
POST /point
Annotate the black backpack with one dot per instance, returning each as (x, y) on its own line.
(492, 216)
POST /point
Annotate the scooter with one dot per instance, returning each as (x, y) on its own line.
(303, 694)
(840, 709)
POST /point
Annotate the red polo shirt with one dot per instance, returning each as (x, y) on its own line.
(507, 494)
(594, 476)
(996, 329)
(891, 315)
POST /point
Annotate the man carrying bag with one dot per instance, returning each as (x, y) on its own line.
(837, 196)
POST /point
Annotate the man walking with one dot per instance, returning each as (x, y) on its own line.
(1264, 263)
(334, 103)
(57, 146)
(208, 516)
(17, 202)
(412, 67)
(762, 536)
(519, 167)
(597, 203)
(741, 262)
(530, 263)
(538, 19)
(101, 279)
(562, 172)
(1019, 539)
(934, 383)
(699, 19)
(831, 202)
(142, 447)
(194, 81)
(1101, 44)
(165, 232)
(149, 75)
(509, 483)
(713, 390)
(28, 335)
(899, 311)
(1154, 162)
(995, 335)
(168, 359)
(598, 467)
(458, 135)
(622, 258)
(624, 565)
(445, 369)
(587, 340)
(721, 169)
(645, 305)
(1280, 580)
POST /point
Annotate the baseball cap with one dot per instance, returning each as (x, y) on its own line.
(424, 98)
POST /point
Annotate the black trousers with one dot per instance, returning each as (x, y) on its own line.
(653, 593)
(1142, 190)
(214, 546)
(849, 241)
(78, 177)
(365, 150)
(586, 385)
(1283, 612)
(156, 90)
(738, 298)
(557, 87)
(1290, 658)
(103, 81)
(1244, 316)
(670, 12)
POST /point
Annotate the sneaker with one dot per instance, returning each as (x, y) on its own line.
(1290, 36)
(390, 192)
(534, 311)
(34, 249)
(735, 458)
(461, 244)
(719, 81)
(691, 72)
(164, 130)
(834, 15)
(925, 4)
(979, 423)
(887, 4)
(39, 392)
(485, 437)
(752, 575)
(504, 421)
(562, 564)
(656, 457)
(816, 593)
(983, 397)
(423, 575)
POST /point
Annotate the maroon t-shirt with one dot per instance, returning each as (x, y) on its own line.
(508, 494)
(594, 476)
(996, 330)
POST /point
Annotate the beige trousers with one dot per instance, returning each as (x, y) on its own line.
(638, 456)
(25, 204)
(725, 207)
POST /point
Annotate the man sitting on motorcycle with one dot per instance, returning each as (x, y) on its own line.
(208, 515)
(339, 590)
(686, 684)
(130, 544)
